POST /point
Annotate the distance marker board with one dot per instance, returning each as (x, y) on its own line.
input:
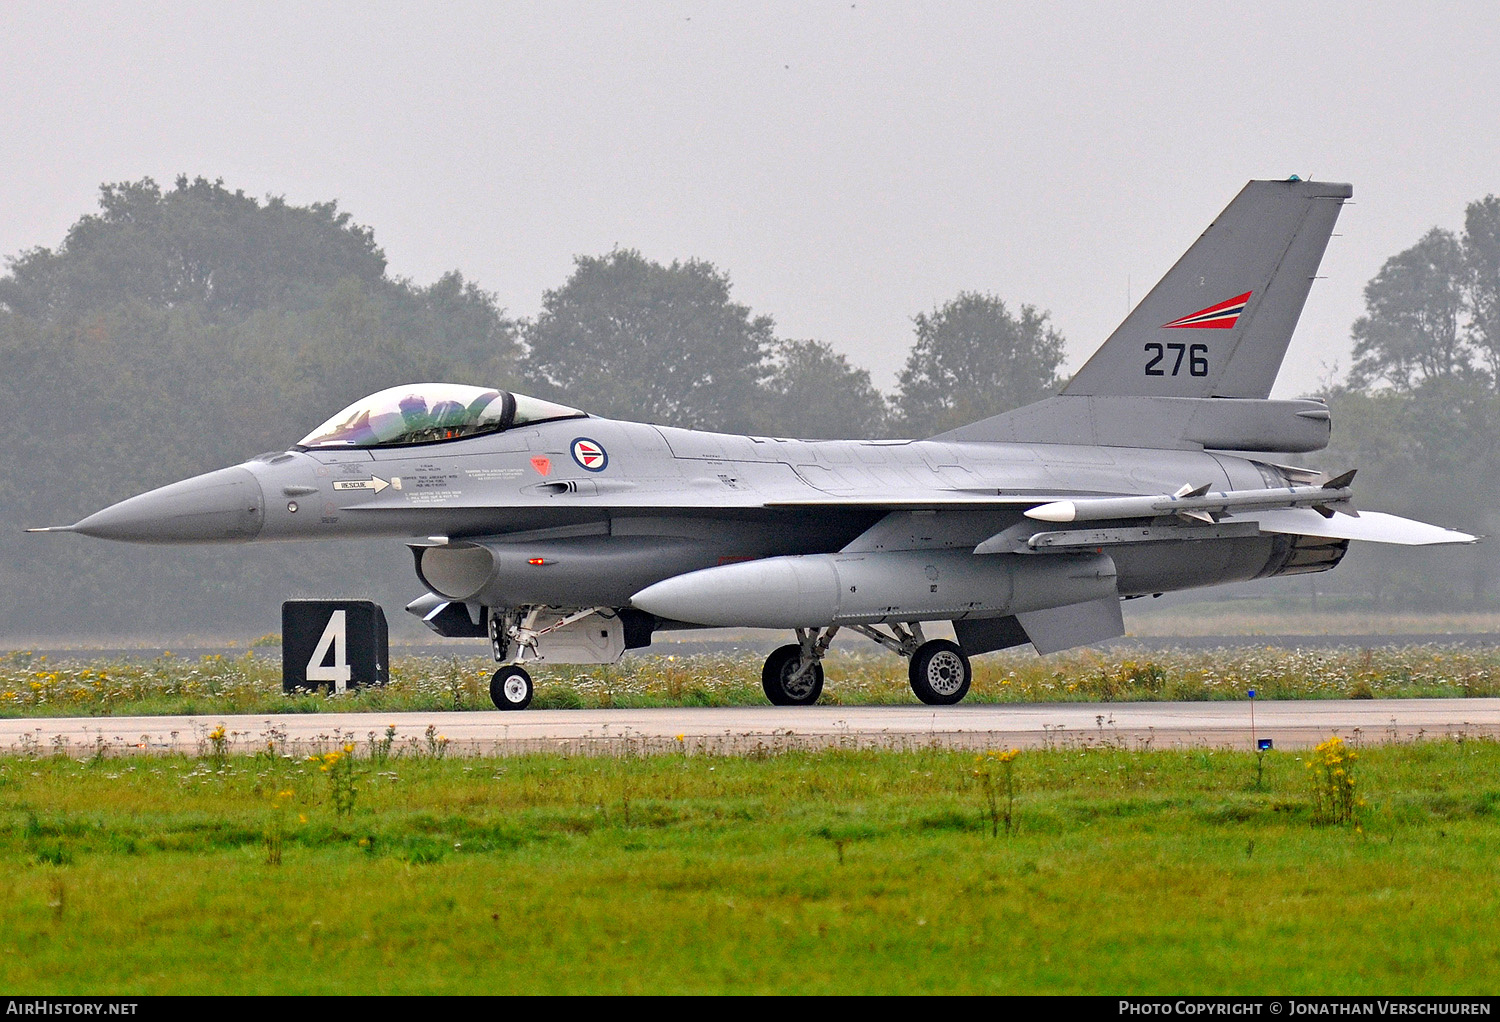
(337, 644)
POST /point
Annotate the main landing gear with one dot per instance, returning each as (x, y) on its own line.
(940, 673)
(939, 670)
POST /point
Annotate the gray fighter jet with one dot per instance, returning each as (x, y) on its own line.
(570, 538)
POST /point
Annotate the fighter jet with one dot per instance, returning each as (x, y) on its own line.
(565, 537)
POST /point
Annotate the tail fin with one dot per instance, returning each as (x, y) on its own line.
(1218, 324)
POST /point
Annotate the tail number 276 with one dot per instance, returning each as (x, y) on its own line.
(1196, 354)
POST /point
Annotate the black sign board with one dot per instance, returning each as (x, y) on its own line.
(337, 644)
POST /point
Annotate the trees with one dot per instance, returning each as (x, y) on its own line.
(1434, 309)
(1427, 453)
(814, 393)
(1421, 412)
(247, 314)
(177, 331)
(630, 338)
(1481, 247)
(199, 244)
(973, 358)
(1410, 331)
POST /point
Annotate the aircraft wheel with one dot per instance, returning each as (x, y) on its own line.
(511, 688)
(940, 673)
(776, 678)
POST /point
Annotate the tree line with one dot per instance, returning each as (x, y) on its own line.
(1419, 413)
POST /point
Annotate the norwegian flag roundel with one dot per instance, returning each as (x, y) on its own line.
(590, 454)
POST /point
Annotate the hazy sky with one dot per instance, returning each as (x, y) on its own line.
(849, 164)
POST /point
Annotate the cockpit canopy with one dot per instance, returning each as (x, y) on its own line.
(424, 413)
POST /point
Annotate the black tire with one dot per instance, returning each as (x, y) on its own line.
(511, 688)
(940, 673)
(780, 666)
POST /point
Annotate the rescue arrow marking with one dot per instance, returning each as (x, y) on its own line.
(377, 484)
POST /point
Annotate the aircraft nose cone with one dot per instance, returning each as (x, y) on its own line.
(226, 506)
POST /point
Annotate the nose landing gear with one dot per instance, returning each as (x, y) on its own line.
(511, 688)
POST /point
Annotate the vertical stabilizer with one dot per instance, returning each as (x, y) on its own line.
(1218, 324)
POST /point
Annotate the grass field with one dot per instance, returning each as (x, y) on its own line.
(830, 872)
(31, 686)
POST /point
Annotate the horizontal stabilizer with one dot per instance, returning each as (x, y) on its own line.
(1079, 624)
(1370, 526)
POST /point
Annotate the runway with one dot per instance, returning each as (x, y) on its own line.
(1292, 724)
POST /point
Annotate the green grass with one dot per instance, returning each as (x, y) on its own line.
(827, 872)
(31, 686)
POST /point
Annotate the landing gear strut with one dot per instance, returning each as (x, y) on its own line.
(517, 634)
(511, 687)
(939, 671)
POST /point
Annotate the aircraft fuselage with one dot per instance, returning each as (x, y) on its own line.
(610, 507)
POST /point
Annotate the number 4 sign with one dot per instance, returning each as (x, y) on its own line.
(333, 643)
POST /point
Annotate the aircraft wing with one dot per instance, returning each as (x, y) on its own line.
(1228, 508)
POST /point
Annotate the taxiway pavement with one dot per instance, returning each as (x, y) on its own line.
(1291, 724)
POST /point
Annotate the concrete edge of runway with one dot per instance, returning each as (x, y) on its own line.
(1290, 725)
